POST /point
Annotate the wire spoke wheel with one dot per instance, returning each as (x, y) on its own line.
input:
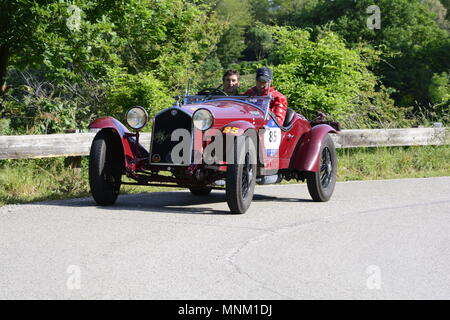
(321, 183)
(247, 176)
(241, 180)
(326, 168)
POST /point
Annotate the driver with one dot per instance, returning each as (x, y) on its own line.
(278, 104)
(231, 82)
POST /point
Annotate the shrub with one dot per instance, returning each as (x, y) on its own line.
(326, 76)
(128, 90)
(36, 105)
(439, 89)
(322, 75)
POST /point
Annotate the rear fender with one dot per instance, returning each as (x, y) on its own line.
(133, 152)
(306, 155)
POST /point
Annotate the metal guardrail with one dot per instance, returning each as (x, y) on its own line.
(78, 144)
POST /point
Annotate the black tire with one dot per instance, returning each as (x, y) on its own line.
(241, 176)
(200, 191)
(105, 168)
(321, 183)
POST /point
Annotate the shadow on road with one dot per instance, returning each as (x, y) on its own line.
(171, 202)
(261, 198)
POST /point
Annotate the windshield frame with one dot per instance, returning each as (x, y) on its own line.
(252, 100)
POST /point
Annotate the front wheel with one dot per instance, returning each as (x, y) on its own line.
(105, 168)
(241, 176)
(321, 183)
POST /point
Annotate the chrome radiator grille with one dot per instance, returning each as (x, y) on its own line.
(165, 123)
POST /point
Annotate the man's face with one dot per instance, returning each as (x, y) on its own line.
(231, 84)
(261, 85)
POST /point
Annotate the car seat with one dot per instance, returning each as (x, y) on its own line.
(289, 116)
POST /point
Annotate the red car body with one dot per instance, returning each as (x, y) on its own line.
(288, 151)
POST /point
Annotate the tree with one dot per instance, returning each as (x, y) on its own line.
(413, 44)
(262, 10)
(259, 42)
(292, 12)
(17, 23)
(169, 38)
(324, 75)
(63, 37)
(235, 16)
(123, 48)
(440, 12)
(446, 4)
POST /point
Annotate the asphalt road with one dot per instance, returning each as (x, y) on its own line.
(385, 239)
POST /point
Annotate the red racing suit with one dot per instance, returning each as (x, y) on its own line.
(278, 105)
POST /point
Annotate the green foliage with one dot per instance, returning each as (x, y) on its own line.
(414, 46)
(210, 72)
(31, 180)
(170, 38)
(114, 49)
(235, 17)
(393, 162)
(71, 61)
(38, 106)
(446, 4)
(40, 179)
(439, 88)
(326, 76)
(259, 42)
(248, 67)
(440, 12)
(5, 127)
(142, 89)
(261, 10)
(322, 75)
(89, 44)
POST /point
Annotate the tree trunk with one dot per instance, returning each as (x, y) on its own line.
(4, 57)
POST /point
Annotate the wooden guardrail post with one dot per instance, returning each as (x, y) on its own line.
(73, 162)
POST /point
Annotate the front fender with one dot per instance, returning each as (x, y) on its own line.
(306, 154)
(111, 123)
(237, 128)
(133, 152)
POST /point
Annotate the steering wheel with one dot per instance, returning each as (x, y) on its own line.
(212, 92)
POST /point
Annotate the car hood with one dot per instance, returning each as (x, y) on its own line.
(225, 111)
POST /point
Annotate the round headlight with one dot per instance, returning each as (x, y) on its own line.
(202, 119)
(137, 118)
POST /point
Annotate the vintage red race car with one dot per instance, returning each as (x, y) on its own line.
(213, 141)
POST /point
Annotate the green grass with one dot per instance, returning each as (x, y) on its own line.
(30, 180)
(393, 162)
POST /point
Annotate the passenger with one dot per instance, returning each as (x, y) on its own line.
(279, 103)
(231, 82)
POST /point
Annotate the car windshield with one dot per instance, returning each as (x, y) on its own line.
(261, 101)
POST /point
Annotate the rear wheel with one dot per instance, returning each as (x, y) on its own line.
(200, 191)
(241, 176)
(321, 183)
(105, 168)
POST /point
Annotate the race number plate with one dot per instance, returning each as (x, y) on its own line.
(272, 139)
